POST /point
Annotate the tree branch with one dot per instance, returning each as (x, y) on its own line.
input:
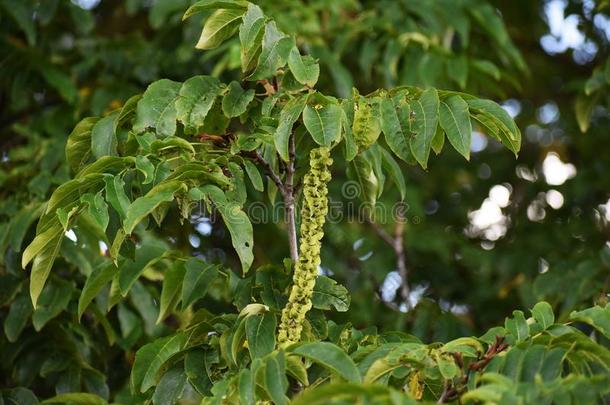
(396, 241)
(256, 156)
(289, 200)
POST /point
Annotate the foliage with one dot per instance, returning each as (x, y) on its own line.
(185, 327)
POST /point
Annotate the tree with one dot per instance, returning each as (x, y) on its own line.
(253, 328)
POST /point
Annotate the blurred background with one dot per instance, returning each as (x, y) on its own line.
(481, 238)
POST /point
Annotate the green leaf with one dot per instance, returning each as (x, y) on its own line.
(288, 116)
(454, 118)
(127, 111)
(583, 107)
(426, 120)
(170, 387)
(19, 396)
(53, 300)
(597, 316)
(17, 317)
(21, 12)
(508, 131)
(517, 326)
(236, 100)
(246, 387)
(396, 126)
(103, 138)
(115, 194)
(304, 68)
(254, 175)
(78, 146)
(366, 126)
(172, 283)
(94, 284)
(392, 167)
(251, 34)
(330, 356)
(543, 314)
(487, 67)
(219, 26)
(151, 357)
(323, 121)
(43, 249)
(98, 209)
(260, 333)
(446, 366)
(76, 398)
(275, 381)
(327, 293)
(204, 5)
(156, 109)
(197, 280)
(237, 222)
(296, 368)
(197, 366)
(196, 98)
(457, 69)
(274, 53)
(21, 223)
(347, 118)
(143, 206)
(361, 170)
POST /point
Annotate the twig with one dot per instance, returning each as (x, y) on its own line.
(289, 200)
(396, 241)
(401, 261)
(256, 156)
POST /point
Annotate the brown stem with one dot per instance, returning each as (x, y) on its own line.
(289, 201)
(396, 241)
(267, 169)
(401, 261)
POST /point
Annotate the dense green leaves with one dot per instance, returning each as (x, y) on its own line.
(164, 153)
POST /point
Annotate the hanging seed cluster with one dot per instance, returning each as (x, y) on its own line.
(313, 215)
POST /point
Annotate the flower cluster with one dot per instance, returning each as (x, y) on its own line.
(313, 214)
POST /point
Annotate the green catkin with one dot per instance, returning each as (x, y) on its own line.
(313, 215)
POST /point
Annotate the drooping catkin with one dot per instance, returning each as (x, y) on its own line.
(313, 215)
